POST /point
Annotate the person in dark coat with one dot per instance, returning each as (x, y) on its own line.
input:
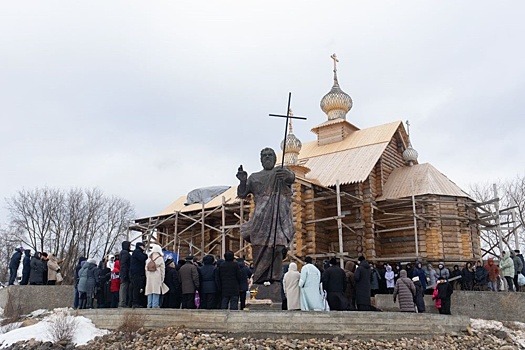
(137, 274)
(456, 284)
(419, 298)
(246, 273)
(381, 269)
(420, 273)
(81, 262)
(375, 278)
(44, 259)
(350, 284)
(190, 283)
(36, 276)
(208, 287)
(334, 283)
(410, 271)
(362, 285)
(14, 263)
(125, 262)
(445, 291)
(480, 277)
(104, 277)
(26, 267)
(172, 299)
(467, 277)
(228, 281)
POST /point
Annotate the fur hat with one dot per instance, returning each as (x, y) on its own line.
(155, 248)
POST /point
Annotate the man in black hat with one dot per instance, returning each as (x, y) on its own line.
(334, 283)
(189, 278)
(137, 274)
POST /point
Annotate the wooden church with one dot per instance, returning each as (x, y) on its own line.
(357, 192)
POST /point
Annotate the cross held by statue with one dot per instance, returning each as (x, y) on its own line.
(288, 117)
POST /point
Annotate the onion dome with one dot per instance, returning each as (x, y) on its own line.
(336, 103)
(293, 145)
(409, 154)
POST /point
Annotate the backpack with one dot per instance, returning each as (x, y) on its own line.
(152, 267)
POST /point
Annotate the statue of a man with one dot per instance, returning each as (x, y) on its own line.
(270, 229)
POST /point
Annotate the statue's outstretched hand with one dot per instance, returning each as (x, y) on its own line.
(241, 174)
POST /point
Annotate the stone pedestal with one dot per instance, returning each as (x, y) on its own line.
(258, 304)
(272, 292)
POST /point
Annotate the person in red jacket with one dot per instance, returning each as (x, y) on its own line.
(114, 284)
(493, 271)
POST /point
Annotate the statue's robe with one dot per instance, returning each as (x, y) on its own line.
(270, 229)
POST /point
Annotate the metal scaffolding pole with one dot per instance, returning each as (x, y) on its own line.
(223, 228)
(498, 222)
(339, 224)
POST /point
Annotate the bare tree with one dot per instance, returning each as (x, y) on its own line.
(511, 206)
(69, 224)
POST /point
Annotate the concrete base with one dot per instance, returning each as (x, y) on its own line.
(25, 299)
(499, 306)
(296, 324)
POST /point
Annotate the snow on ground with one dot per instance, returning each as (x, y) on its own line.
(38, 312)
(515, 330)
(85, 330)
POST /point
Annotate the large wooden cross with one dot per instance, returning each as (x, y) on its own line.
(288, 117)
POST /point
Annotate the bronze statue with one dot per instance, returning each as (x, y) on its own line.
(270, 229)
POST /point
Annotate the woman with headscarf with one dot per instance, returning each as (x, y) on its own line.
(155, 270)
(52, 269)
(87, 281)
(310, 284)
(406, 291)
(291, 287)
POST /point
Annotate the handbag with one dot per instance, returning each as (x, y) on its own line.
(59, 277)
(197, 299)
(521, 280)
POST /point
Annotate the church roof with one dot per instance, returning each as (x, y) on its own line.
(419, 179)
(350, 160)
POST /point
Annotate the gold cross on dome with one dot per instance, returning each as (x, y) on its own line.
(334, 57)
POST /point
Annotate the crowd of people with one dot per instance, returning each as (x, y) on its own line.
(37, 269)
(141, 278)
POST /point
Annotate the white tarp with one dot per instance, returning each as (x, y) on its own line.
(205, 194)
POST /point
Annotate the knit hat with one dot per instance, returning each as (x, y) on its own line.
(91, 261)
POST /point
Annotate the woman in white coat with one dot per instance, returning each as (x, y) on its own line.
(310, 284)
(291, 287)
(155, 269)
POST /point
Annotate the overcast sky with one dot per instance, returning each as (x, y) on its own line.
(149, 100)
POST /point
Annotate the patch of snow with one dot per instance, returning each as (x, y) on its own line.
(516, 333)
(85, 331)
(9, 327)
(37, 313)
